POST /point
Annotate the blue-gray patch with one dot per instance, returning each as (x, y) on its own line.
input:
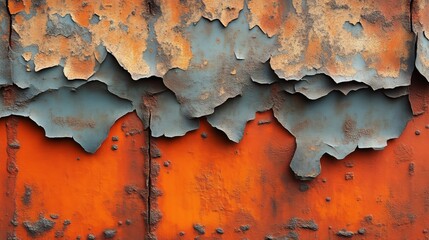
(152, 101)
(224, 61)
(354, 29)
(5, 68)
(232, 116)
(338, 124)
(84, 114)
(65, 26)
(422, 53)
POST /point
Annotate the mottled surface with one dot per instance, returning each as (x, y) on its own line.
(366, 41)
(421, 26)
(338, 124)
(5, 75)
(175, 61)
(196, 158)
(231, 117)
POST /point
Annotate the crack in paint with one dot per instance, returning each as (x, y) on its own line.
(149, 180)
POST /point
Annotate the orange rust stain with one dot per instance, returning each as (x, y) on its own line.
(215, 183)
(82, 17)
(313, 51)
(19, 19)
(389, 60)
(391, 8)
(89, 190)
(419, 15)
(16, 6)
(175, 9)
(269, 14)
(76, 68)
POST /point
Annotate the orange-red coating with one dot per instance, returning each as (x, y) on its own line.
(89, 190)
(216, 183)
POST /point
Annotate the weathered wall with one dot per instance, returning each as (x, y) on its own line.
(192, 115)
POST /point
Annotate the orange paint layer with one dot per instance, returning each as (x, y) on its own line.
(94, 192)
(218, 184)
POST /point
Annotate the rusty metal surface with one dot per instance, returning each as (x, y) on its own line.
(5, 74)
(335, 73)
(368, 195)
(338, 124)
(365, 41)
(420, 25)
(59, 191)
(209, 54)
(231, 117)
(224, 62)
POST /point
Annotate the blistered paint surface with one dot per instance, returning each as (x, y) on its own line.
(173, 62)
(366, 41)
(335, 73)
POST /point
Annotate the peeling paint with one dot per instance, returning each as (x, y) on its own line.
(74, 68)
(336, 74)
(320, 85)
(87, 120)
(231, 117)
(224, 62)
(338, 124)
(420, 27)
(380, 55)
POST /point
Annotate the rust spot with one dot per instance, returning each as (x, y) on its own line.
(149, 101)
(26, 198)
(403, 153)
(352, 133)
(295, 223)
(349, 176)
(418, 94)
(411, 168)
(9, 96)
(39, 227)
(155, 152)
(74, 122)
(199, 228)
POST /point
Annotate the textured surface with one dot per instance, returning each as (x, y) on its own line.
(420, 27)
(383, 192)
(221, 60)
(337, 125)
(367, 41)
(82, 193)
(190, 112)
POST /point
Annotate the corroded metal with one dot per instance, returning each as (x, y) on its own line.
(338, 124)
(5, 77)
(335, 74)
(420, 26)
(176, 61)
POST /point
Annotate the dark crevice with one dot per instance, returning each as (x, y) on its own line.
(411, 15)
(153, 7)
(10, 24)
(149, 177)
